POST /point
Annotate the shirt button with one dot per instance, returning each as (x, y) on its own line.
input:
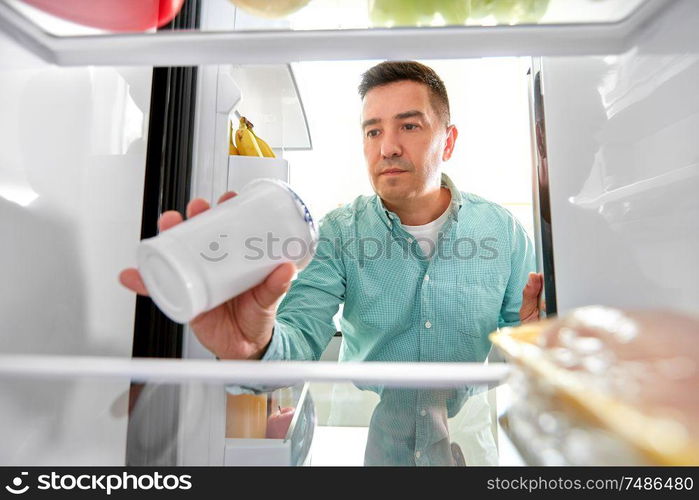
(427, 277)
(417, 454)
(423, 413)
(428, 325)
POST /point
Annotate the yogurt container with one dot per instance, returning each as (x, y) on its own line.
(212, 257)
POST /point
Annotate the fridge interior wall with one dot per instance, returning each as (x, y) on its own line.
(72, 163)
(623, 158)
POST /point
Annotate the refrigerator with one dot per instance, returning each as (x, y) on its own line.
(103, 128)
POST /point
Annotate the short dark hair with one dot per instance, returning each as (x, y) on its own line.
(395, 71)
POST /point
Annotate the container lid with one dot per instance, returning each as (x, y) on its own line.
(172, 280)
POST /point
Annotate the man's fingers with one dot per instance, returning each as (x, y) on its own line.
(169, 219)
(194, 207)
(131, 279)
(529, 310)
(227, 196)
(197, 206)
(268, 292)
(530, 318)
(533, 286)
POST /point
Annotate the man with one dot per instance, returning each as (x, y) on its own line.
(445, 268)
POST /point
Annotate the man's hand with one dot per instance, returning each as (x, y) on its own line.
(530, 298)
(242, 327)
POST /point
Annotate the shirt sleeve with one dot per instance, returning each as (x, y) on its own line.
(304, 324)
(522, 263)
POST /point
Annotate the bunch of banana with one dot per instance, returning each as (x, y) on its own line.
(264, 147)
(248, 144)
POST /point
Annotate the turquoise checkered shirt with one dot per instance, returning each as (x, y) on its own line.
(399, 304)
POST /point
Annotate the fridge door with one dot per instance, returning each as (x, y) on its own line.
(543, 229)
(623, 170)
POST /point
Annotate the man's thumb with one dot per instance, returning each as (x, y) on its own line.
(275, 285)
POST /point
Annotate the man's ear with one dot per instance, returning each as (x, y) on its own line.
(452, 134)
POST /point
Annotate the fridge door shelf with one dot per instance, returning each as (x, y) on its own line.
(292, 449)
(266, 46)
(243, 169)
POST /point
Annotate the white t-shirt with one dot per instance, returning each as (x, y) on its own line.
(426, 235)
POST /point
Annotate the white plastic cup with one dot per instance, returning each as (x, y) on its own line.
(226, 250)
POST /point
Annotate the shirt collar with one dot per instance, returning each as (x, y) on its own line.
(455, 205)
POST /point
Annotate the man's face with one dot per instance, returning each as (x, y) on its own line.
(405, 141)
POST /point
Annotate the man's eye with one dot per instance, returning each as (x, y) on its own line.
(411, 126)
(372, 133)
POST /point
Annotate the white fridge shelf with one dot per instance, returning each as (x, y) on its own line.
(435, 375)
(194, 47)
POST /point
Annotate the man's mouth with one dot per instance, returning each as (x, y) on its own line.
(393, 171)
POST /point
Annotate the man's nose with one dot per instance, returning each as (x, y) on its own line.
(390, 146)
